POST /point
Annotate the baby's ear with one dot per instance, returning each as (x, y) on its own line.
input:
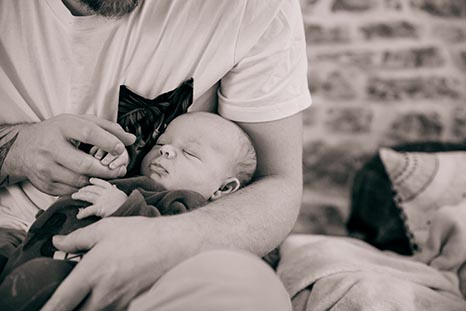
(230, 185)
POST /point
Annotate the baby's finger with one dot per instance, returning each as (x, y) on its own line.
(100, 183)
(119, 161)
(92, 188)
(86, 212)
(93, 150)
(100, 153)
(108, 158)
(86, 196)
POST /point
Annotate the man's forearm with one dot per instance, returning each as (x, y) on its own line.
(255, 219)
(8, 136)
(258, 217)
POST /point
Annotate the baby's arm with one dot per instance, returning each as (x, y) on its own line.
(105, 198)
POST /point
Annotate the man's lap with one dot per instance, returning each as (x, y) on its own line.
(217, 280)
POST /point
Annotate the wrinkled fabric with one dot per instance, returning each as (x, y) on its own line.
(324, 273)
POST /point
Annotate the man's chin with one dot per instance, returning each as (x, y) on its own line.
(111, 8)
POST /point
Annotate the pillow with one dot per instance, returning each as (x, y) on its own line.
(424, 182)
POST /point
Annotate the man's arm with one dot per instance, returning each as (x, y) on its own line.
(44, 152)
(256, 219)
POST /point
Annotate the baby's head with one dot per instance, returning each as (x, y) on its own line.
(202, 152)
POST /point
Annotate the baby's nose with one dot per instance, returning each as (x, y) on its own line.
(167, 151)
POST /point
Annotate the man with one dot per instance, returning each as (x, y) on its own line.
(62, 61)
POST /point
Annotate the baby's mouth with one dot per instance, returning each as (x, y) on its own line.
(158, 169)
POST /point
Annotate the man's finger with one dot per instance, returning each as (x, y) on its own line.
(114, 128)
(62, 189)
(108, 158)
(79, 240)
(52, 188)
(63, 175)
(91, 133)
(99, 154)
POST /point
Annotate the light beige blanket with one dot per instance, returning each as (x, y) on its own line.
(337, 273)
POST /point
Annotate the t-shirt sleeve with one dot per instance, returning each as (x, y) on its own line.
(269, 79)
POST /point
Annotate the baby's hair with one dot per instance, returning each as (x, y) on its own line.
(245, 162)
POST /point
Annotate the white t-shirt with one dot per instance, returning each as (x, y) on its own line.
(247, 58)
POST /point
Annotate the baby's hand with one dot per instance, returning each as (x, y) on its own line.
(110, 160)
(105, 198)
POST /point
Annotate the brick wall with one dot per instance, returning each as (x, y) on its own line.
(381, 72)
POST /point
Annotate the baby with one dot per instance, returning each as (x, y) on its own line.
(200, 152)
(199, 158)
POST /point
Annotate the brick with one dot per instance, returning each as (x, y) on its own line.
(425, 57)
(459, 123)
(389, 30)
(352, 5)
(452, 34)
(318, 34)
(416, 126)
(306, 4)
(361, 58)
(396, 5)
(458, 57)
(336, 86)
(417, 57)
(349, 120)
(462, 55)
(382, 89)
(441, 8)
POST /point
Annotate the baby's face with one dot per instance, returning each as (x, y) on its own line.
(194, 153)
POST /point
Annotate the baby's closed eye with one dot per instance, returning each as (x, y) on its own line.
(189, 153)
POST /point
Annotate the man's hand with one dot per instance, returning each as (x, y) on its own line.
(105, 198)
(45, 154)
(126, 255)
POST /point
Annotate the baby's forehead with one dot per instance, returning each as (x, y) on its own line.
(201, 127)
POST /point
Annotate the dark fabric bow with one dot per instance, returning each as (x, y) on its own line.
(148, 118)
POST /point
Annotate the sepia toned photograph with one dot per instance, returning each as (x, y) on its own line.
(233, 155)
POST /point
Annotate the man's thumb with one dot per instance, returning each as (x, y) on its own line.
(80, 240)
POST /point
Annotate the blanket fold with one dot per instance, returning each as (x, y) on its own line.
(338, 273)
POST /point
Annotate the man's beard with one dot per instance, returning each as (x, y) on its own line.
(111, 8)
